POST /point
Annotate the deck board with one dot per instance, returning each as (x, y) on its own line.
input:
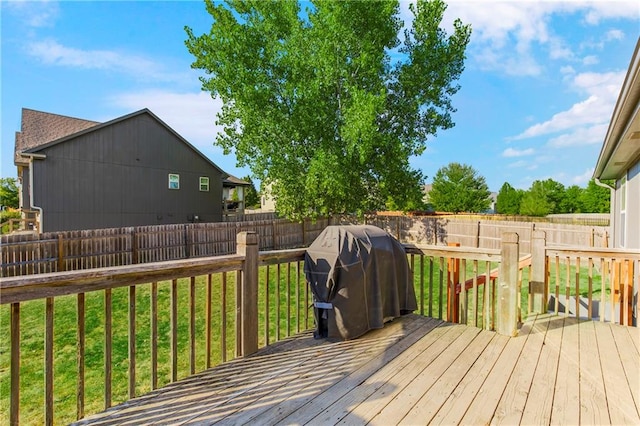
(415, 370)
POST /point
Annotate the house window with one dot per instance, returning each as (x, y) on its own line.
(174, 181)
(204, 183)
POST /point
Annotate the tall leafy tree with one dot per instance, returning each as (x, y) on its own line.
(508, 200)
(459, 188)
(9, 192)
(313, 104)
(572, 200)
(251, 197)
(596, 199)
(543, 197)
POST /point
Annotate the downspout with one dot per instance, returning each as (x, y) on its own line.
(31, 198)
(612, 191)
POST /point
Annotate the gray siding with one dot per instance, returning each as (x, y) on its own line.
(118, 176)
(633, 208)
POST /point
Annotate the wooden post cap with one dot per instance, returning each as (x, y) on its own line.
(248, 238)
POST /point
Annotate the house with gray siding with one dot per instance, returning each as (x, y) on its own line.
(619, 160)
(131, 171)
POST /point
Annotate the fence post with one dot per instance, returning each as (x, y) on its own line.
(60, 254)
(538, 289)
(507, 294)
(247, 246)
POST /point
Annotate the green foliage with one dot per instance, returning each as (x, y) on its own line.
(543, 198)
(572, 200)
(9, 192)
(596, 199)
(508, 200)
(458, 188)
(251, 197)
(313, 104)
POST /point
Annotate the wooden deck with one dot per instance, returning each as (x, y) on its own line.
(416, 370)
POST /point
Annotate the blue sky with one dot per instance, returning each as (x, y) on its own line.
(539, 88)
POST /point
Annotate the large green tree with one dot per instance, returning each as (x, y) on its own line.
(508, 200)
(459, 188)
(595, 198)
(251, 197)
(543, 197)
(314, 104)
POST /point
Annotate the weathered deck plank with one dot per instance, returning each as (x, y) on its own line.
(415, 370)
(566, 398)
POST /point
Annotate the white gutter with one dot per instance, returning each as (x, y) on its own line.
(31, 201)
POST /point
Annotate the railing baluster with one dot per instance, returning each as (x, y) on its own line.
(154, 335)
(48, 362)
(442, 296)
(192, 326)
(306, 305)
(288, 299)
(463, 314)
(223, 321)
(174, 330)
(590, 294)
(487, 298)
(578, 288)
(421, 284)
(80, 356)
(557, 302)
(612, 298)
(603, 288)
(278, 303)
(132, 341)
(567, 285)
(14, 409)
(298, 281)
(208, 323)
(266, 307)
(238, 317)
(475, 293)
(430, 310)
(107, 348)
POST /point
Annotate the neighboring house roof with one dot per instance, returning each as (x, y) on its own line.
(38, 128)
(99, 126)
(234, 181)
(621, 147)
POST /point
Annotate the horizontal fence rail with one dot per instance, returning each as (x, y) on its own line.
(25, 254)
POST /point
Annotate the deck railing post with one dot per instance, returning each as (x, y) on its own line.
(507, 291)
(538, 290)
(247, 246)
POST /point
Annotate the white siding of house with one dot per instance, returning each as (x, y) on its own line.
(632, 226)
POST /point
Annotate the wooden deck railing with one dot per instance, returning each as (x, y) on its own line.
(135, 328)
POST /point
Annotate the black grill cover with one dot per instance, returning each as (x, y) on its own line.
(359, 277)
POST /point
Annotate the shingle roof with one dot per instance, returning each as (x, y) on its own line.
(39, 128)
(234, 181)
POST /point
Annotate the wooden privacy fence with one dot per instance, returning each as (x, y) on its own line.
(26, 254)
(64, 251)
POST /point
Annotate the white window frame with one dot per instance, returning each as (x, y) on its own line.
(202, 183)
(174, 181)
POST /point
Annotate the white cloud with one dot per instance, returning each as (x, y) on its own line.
(34, 14)
(506, 32)
(50, 52)
(583, 179)
(568, 69)
(590, 60)
(581, 136)
(614, 35)
(602, 89)
(192, 115)
(511, 152)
